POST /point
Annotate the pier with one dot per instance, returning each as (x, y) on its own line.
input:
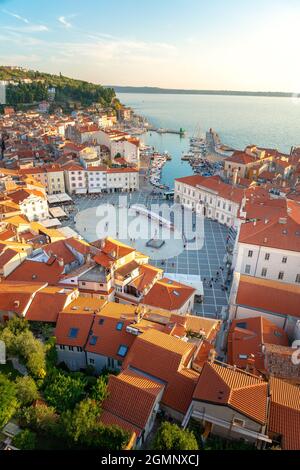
(215, 147)
(161, 130)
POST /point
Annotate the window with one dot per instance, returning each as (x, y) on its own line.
(79, 349)
(297, 278)
(61, 347)
(92, 361)
(73, 332)
(278, 334)
(250, 254)
(247, 269)
(119, 326)
(101, 321)
(281, 275)
(238, 422)
(71, 348)
(284, 259)
(122, 351)
(267, 256)
(93, 340)
(264, 272)
(243, 356)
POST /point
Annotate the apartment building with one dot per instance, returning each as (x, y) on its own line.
(210, 197)
(32, 203)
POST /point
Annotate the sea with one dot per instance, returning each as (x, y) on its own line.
(239, 120)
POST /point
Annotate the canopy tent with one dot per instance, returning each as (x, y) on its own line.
(51, 223)
(57, 212)
(191, 280)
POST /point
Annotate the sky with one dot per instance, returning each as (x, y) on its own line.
(193, 44)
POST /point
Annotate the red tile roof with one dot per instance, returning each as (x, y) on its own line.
(214, 183)
(270, 296)
(165, 357)
(131, 397)
(241, 157)
(17, 296)
(47, 304)
(284, 417)
(247, 336)
(109, 339)
(168, 294)
(66, 321)
(6, 256)
(36, 271)
(231, 387)
(279, 229)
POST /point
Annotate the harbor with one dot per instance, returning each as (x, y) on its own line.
(201, 147)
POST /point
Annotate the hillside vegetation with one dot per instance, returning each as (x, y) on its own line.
(67, 89)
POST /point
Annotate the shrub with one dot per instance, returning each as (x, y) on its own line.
(25, 440)
(63, 390)
(8, 400)
(172, 437)
(26, 390)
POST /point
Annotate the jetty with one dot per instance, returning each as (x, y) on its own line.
(162, 130)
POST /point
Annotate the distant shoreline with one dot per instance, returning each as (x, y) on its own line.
(170, 91)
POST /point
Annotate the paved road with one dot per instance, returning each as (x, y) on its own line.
(205, 262)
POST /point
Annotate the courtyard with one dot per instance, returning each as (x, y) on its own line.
(205, 261)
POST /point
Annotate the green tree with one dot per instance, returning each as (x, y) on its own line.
(107, 437)
(172, 437)
(64, 390)
(99, 390)
(26, 390)
(17, 325)
(33, 353)
(25, 440)
(8, 400)
(41, 418)
(82, 421)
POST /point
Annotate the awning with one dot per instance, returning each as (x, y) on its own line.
(191, 280)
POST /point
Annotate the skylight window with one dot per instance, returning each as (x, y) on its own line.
(73, 332)
(101, 321)
(93, 340)
(175, 292)
(122, 351)
(119, 326)
(243, 356)
(242, 325)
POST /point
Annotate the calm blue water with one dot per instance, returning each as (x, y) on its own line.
(239, 120)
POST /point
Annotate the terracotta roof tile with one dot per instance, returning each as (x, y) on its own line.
(168, 294)
(268, 295)
(36, 271)
(285, 413)
(243, 392)
(131, 397)
(247, 336)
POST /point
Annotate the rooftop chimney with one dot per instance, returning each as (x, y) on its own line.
(212, 355)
